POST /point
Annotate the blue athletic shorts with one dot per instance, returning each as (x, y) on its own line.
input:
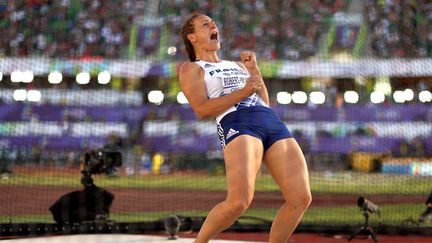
(258, 121)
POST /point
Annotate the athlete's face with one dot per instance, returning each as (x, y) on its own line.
(206, 34)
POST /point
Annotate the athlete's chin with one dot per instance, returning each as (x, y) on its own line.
(213, 44)
(215, 47)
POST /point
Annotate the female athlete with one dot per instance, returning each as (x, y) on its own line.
(250, 132)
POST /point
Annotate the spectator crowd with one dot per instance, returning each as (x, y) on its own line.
(400, 28)
(282, 29)
(66, 28)
(278, 29)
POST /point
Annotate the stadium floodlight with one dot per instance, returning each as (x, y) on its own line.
(83, 78)
(398, 96)
(104, 77)
(34, 95)
(55, 77)
(317, 97)
(299, 97)
(27, 77)
(377, 97)
(283, 97)
(156, 96)
(181, 98)
(425, 96)
(408, 94)
(16, 76)
(20, 95)
(351, 97)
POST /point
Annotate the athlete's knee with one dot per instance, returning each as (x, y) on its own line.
(239, 204)
(238, 207)
(301, 202)
(306, 199)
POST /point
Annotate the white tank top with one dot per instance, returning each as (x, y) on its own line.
(225, 77)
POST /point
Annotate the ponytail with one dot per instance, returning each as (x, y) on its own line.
(189, 28)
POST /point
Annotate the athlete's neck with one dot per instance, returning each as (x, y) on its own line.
(208, 57)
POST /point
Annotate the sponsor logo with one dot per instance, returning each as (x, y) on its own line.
(231, 133)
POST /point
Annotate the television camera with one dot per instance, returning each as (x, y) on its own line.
(427, 213)
(99, 161)
(368, 207)
(92, 203)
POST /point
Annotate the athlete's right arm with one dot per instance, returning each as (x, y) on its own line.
(192, 84)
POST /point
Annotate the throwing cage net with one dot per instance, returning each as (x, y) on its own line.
(95, 135)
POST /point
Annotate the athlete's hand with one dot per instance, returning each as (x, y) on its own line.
(253, 84)
(248, 59)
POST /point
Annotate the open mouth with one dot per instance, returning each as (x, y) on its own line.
(214, 37)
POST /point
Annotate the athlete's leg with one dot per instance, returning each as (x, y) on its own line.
(286, 163)
(243, 157)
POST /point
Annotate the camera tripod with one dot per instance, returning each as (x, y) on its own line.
(365, 229)
(86, 179)
(91, 204)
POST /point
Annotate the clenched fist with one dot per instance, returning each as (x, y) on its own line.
(248, 59)
(255, 83)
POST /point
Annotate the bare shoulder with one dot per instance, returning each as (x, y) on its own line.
(188, 69)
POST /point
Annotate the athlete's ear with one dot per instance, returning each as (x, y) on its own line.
(191, 37)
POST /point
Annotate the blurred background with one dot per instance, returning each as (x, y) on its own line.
(352, 80)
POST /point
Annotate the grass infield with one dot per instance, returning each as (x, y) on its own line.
(390, 215)
(321, 182)
(325, 183)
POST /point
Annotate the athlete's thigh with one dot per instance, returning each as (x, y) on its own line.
(287, 165)
(243, 157)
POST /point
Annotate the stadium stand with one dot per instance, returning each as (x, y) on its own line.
(400, 28)
(65, 29)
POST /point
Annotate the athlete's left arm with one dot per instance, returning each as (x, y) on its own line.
(250, 64)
